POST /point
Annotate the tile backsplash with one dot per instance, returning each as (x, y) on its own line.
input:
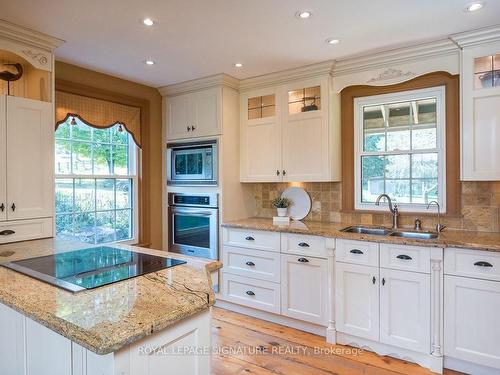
(480, 206)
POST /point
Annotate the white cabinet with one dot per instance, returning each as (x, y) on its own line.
(12, 359)
(472, 324)
(405, 309)
(288, 133)
(304, 288)
(196, 114)
(3, 158)
(357, 300)
(480, 112)
(30, 158)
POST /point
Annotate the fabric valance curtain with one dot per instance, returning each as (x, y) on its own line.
(98, 113)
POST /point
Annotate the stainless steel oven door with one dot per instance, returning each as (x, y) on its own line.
(194, 231)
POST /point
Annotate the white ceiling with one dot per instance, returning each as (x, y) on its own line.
(197, 38)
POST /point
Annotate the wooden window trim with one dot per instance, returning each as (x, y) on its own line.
(144, 177)
(452, 131)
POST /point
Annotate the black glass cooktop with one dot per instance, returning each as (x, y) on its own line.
(91, 268)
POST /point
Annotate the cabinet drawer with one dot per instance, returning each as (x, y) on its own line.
(406, 258)
(472, 263)
(252, 239)
(257, 294)
(357, 252)
(22, 230)
(262, 265)
(305, 245)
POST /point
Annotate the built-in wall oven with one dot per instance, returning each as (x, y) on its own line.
(192, 163)
(193, 221)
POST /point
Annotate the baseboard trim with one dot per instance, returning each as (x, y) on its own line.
(469, 367)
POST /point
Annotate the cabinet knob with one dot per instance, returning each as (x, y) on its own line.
(356, 251)
(374, 280)
(249, 263)
(303, 260)
(2, 207)
(277, 172)
(13, 206)
(404, 257)
(188, 128)
(303, 244)
(483, 264)
(7, 232)
(193, 128)
(284, 172)
(249, 238)
(383, 281)
(250, 293)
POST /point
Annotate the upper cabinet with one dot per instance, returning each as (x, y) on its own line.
(195, 114)
(288, 133)
(481, 112)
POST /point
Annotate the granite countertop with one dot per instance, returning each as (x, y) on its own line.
(108, 318)
(488, 241)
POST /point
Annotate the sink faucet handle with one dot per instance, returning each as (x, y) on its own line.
(418, 224)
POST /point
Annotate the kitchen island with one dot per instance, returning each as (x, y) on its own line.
(157, 323)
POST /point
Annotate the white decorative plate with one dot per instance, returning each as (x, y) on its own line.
(301, 202)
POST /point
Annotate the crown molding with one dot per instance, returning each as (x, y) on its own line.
(285, 76)
(29, 37)
(200, 84)
(478, 36)
(381, 59)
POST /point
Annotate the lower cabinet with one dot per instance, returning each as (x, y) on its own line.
(12, 355)
(405, 305)
(472, 320)
(304, 288)
(357, 300)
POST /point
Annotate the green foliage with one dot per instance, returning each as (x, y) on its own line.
(280, 202)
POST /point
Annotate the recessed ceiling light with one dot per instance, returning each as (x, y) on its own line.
(475, 6)
(303, 14)
(148, 22)
(332, 41)
(238, 65)
(149, 62)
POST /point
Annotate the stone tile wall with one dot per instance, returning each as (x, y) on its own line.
(480, 206)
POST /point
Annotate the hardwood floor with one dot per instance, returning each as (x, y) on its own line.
(251, 346)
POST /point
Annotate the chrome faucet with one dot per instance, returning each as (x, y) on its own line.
(393, 208)
(439, 227)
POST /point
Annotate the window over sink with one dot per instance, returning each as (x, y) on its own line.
(399, 149)
(95, 183)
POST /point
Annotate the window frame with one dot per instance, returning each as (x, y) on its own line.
(438, 92)
(134, 154)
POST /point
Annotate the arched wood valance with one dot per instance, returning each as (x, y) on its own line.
(98, 113)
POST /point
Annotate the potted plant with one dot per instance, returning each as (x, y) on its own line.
(281, 205)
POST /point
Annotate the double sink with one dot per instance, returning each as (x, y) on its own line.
(382, 231)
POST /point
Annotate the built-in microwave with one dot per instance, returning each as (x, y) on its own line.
(192, 164)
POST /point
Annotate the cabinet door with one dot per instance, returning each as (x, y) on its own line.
(260, 142)
(206, 113)
(357, 300)
(304, 288)
(178, 115)
(305, 133)
(3, 158)
(48, 353)
(481, 112)
(30, 158)
(12, 349)
(405, 310)
(472, 324)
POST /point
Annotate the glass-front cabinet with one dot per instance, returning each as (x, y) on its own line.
(481, 112)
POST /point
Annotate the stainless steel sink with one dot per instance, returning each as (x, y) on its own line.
(367, 230)
(415, 235)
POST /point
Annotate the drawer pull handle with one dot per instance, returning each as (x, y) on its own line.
(7, 232)
(374, 280)
(249, 238)
(356, 251)
(251, 264)
(303, 260)
(404, 257)
(303, 244)
(483, 264)
(250, 293)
